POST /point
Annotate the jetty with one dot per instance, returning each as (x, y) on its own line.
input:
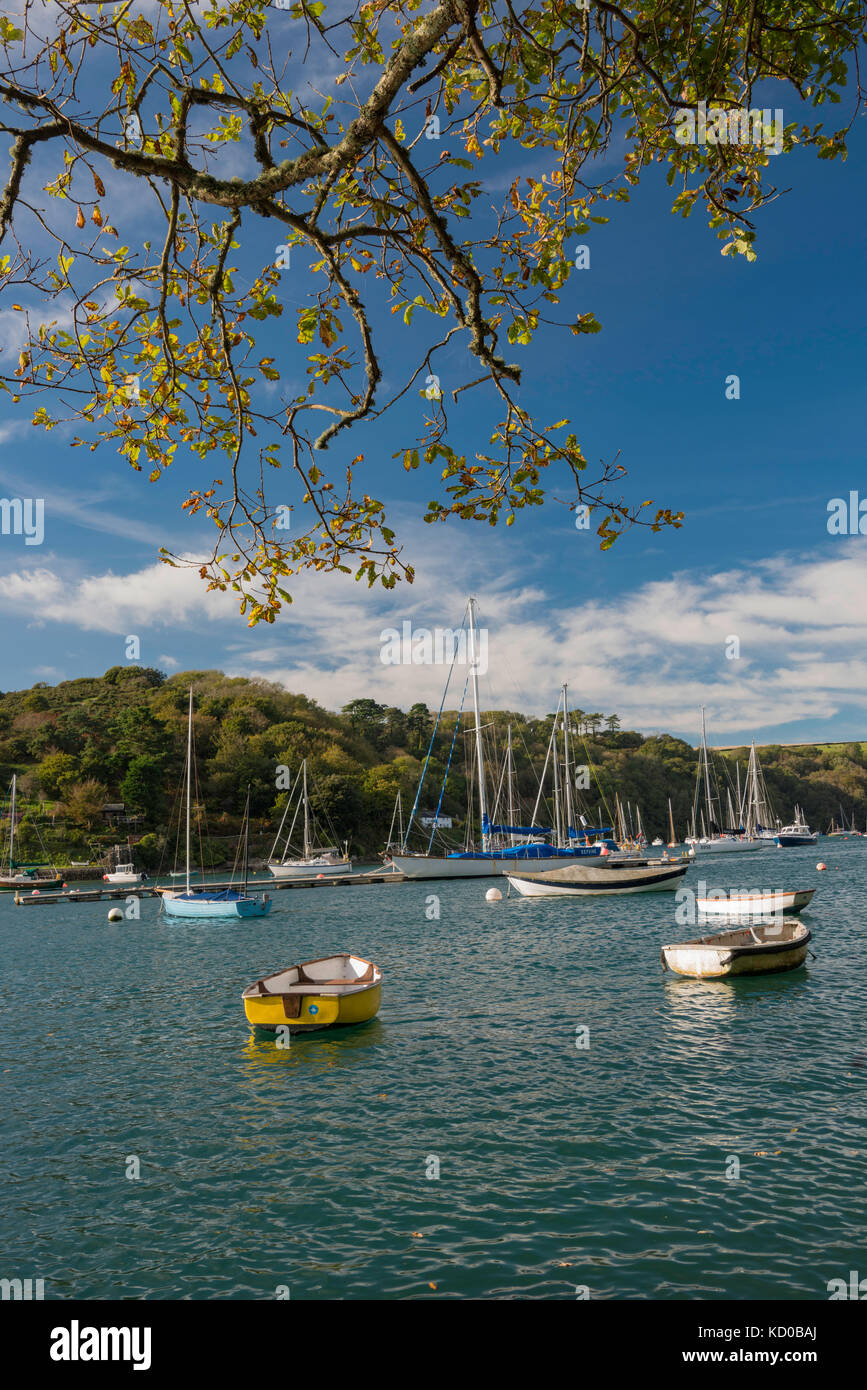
(155, 890)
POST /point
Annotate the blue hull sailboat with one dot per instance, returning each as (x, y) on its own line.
(230, 903)
(202, 902)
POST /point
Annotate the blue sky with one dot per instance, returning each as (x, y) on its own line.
(641, 630)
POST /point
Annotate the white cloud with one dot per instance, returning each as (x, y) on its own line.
(653, 655)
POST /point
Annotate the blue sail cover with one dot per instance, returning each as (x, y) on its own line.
(537, 851)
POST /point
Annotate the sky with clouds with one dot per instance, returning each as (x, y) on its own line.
(642, 630)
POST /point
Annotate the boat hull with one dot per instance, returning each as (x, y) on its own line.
(197, 906)
(300, 1003)
(299, 869)
(590, 881)
(752, 904)
(422, 866)
(792, 841)
(768, 950)
(16, 884)
(725, 846)
(316, 1011)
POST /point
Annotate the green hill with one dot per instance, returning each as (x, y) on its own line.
(86, 745)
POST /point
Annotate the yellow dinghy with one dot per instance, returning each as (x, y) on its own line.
(324, 993)
(763, 949)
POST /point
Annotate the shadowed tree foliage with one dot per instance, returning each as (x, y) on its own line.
(353, 784)
(155, 153)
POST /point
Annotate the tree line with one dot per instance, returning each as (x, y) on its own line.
(85, 745)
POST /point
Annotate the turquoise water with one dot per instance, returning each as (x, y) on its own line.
(559, 1167)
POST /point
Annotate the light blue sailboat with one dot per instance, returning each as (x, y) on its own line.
(226, 902)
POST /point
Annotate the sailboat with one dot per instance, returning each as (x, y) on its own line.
(321, 862)
(844, 830)
(759, 816)
(24, 875)
(505, 848)
(714, 840)
(205, 902)
(672, 844)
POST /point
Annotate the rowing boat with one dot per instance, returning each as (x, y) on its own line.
(724, 904)
(763, 949)
(607, 877)
(330, 992)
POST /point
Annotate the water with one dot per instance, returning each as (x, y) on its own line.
(306, 1168)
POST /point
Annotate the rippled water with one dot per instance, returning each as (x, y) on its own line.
(559, 1167)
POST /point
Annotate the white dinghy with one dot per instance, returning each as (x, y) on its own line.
(763, 949)
(725, 904)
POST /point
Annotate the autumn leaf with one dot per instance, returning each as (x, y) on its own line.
(79, 220)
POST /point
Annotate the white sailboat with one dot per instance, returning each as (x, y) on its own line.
(714, 840)
(204, 902)
(507, 848)
(758, 816)
(324, 862)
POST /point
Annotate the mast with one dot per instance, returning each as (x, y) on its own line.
(480, 760)
(670, 821)
(246, 837)
(509, 784)
(558, 816)
(189, 781)
(706, 771)
(306, 812)
(12, 826)
(566, 761)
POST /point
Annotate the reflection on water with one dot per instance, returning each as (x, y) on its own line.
(326, 1048)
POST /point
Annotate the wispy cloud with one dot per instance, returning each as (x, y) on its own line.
(652, 655)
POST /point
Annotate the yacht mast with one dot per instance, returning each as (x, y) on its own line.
(306, 812)
(558, 815)
(509, 784)
(12, 826)
(710, 819)
(474, 670)
(189, 780)
(567, 772)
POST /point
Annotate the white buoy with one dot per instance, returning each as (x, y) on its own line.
(493, 895)
(821, 866)
(115, 915)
